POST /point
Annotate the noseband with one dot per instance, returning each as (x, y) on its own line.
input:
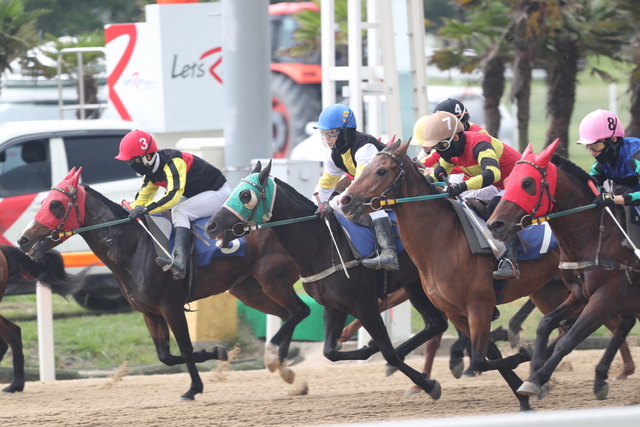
(375, 201)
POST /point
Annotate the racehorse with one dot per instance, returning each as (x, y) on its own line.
(16, 267)
(260, 198)
(458, 282)
(602, 274)
(128, 251)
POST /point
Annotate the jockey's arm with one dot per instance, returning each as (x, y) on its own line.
(490, 164)
(176, 173)
(327, 182)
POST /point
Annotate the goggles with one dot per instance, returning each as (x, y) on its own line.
(330, 133)
(134, 160)
(596, 147)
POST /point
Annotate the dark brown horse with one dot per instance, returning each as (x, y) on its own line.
(602, 274)
(128, 251)
(16, 267)
(260, 198)
(458, 282)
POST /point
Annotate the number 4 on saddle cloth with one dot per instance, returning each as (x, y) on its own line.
(205, 248)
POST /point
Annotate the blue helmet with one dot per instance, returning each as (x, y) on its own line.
(336, 116)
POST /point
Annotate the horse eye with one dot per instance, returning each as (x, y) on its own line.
(245, 196)
(528, 185)
(55, 204)
(381, 172)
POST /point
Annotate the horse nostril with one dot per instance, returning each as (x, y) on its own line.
(22, 240)
(497, 225)
(344, 201)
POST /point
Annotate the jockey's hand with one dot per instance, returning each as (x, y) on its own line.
(324, 209)
(137, 212)
(439, 173)
(605, 199)
(456, 189)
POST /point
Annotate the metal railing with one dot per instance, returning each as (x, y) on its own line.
(81, 106)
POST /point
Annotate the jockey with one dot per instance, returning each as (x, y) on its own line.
(194, 189)
(484, 160)
(617, 158)
(351, 151)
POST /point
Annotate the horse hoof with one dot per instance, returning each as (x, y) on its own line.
(603, 392)
(271, 360)
(544, 391)
(436, 392)
(469, 374)
(220, 353)
(458, 370)
(287, 374)
(12, 388)
(190, 395)
(514, 339)
(339, 346)
(410, 392)
(390, 370)
(529, 388)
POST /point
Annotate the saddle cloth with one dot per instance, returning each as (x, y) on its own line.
(362, 238)
(205, 248)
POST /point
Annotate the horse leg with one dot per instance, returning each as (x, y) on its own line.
(373, 323)
(456, 354)
(11, 335)
(600, 386)
(590, 319)
(512, 379)
(628, 367)
(515, 323)
(431, 348)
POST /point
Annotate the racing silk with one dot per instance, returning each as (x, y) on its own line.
(485, 161)
(433, 158)
(361, 152)
(182, 174)
(625, 172)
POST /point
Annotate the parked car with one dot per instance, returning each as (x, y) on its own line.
(312, 147)
(36, 155)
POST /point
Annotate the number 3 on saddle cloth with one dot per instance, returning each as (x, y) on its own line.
(533, 243)
(205, 248)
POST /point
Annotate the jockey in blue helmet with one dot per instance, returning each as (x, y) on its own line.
(351, 151)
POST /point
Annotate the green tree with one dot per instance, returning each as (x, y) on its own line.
(17, 31)
(631, 53)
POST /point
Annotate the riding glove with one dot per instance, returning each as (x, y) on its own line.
(439, 173)
(456, 189)
(605, 199)
(137, 212)
(324, 209)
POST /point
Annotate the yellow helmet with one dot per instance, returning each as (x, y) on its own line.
(440, 126)
(418, 130)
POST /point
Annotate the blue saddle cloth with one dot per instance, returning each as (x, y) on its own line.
(362, 237)
(205, 252)
(538, 241)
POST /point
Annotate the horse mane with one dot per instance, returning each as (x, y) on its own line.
(115, 208)
(295, 195)
(574, 172)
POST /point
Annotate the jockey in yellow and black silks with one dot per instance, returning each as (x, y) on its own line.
(351, 152)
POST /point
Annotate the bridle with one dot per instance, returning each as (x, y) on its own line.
(544, 189)
(73, 202)
(244, 226)
(375, 202)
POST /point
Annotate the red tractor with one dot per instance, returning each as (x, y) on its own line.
(296, 98)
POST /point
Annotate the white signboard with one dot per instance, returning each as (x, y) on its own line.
(165, 74)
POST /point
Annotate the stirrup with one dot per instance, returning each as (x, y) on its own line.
(376, 264)
(503, 274)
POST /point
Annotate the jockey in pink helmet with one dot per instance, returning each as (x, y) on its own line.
(193, 189)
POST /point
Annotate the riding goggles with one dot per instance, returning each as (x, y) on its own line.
(596, 147)
(330, 133)
(134, 160)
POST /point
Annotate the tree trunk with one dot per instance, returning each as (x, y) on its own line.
(521, 91)
(90, 97)
(633, 128)
(493, 89)
(561, 93)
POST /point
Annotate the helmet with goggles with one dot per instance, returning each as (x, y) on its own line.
(598, 125)
(336, 116)
(454, 107)
(135, 144)
(439, 128)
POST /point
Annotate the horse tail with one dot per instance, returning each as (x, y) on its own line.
(48, 270)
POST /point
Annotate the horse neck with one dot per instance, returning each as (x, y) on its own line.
(308, 243)
(576, 233)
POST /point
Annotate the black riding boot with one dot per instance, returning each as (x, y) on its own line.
(386, 238)
(178, 265)
(508, 267)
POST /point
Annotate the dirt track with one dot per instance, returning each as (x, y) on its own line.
(337, 393)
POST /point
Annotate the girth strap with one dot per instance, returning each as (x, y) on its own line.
(610, 265)
(329, 271)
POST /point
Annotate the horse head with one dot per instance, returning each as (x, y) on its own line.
(529, 192)
(381, 179)
(248, 204)
(61, 211)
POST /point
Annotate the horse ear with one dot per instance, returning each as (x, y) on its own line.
(401, 149)
(543, 158)
(265, 173)
(257, 168)
(528, 150)
(73, 181)
(70, 174)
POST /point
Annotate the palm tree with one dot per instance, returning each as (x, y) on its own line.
(17, 31)
(632, 55)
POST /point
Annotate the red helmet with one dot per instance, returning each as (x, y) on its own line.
(136, 143)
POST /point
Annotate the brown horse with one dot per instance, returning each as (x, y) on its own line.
(458, 282)
(128, 251)
(16, 267)
(602, 274)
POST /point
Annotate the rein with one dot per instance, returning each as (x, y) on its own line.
(89, 228)
(246, 227)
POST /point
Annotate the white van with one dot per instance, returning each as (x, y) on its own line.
(36, 155)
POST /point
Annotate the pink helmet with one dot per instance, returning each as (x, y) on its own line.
(599, 124)
(136, 143)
